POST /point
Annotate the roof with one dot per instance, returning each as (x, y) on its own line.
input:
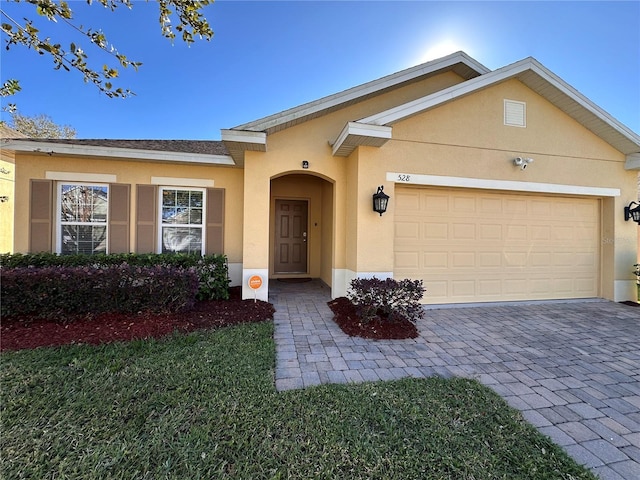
(459, 62)
(195, 151)
(6, 132)
(542, 81)
(377, 129)
(207, 147)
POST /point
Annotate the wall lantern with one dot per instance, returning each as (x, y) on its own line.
(633, 213)
(380, 201)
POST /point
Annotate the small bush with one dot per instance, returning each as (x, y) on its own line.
(212, 270)
(57, 292)
(387, 299)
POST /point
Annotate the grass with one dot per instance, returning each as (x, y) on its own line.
(203, 406)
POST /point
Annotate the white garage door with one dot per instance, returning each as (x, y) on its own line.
(478, 246)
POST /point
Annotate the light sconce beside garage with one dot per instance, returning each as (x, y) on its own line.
(380, 201)
(633, 213)
(522, 162)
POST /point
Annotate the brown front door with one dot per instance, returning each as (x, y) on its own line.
(291, 236)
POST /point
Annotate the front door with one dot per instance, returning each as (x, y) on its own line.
(291, 236)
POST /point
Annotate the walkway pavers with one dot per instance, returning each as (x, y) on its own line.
(571, 368)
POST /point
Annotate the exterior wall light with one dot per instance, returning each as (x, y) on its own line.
(522, 162)
(380, 201)
(633, 213)
(305, 164)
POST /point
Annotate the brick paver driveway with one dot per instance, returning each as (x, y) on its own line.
(572, 369)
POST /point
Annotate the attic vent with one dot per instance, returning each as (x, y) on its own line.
(515, 113)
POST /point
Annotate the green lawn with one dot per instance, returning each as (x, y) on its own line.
(203, 405)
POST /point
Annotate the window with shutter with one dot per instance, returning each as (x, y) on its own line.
(182, 214)
(82, 212)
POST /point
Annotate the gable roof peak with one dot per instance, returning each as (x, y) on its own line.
(458, 62)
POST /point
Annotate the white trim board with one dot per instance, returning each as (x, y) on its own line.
(481, 183)
(117, 152)
(182, 182)
(81, 177)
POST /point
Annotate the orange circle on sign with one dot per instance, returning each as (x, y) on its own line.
(255, 282)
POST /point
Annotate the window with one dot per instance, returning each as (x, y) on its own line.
(181, 220)
(82, 218)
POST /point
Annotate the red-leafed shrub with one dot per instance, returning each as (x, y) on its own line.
(57, 292)
(387, 299)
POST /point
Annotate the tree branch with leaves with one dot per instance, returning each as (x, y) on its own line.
(191, 24)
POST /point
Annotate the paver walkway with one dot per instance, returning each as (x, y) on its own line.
(571, 368)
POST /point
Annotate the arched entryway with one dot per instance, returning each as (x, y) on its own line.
(301, 232)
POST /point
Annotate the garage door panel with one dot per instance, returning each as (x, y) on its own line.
(407, 230)
(436, 231)
(474, 245)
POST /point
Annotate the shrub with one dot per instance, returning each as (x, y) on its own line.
(212, 270)
(59, 291)
(387, 299)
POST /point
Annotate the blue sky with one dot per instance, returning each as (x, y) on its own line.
(266, 57)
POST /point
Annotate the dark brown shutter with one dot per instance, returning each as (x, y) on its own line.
(41, 216)
(146, 217)
(119, 208)
(215, 221)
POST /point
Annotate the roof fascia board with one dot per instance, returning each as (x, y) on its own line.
(52, 148)
(414, 107)
(360, 130)
(583, 101)
(365, 89)
(632, 162)
(244, 137)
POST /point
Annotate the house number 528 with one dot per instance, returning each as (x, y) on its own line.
(403, 177)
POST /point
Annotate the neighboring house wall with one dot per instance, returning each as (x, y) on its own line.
(7, 200)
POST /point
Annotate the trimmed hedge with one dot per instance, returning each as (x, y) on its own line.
(387, 299)
(212, 270)
(56, 292)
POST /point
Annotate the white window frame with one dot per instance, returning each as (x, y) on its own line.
(60, 223)
(201, 226)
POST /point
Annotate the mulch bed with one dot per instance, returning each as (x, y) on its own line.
(112, 327)
(212, 314)
(346, 317)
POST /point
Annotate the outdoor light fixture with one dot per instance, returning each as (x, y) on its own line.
(305, 164)
(633, 213)
(380, 201)
(522, 162)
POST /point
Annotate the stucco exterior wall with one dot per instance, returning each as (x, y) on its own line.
(468, 139)
(7, 203)
(463, 139)
(32, 166)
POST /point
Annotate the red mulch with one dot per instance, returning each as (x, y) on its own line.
(113, 327)
(347, 319)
